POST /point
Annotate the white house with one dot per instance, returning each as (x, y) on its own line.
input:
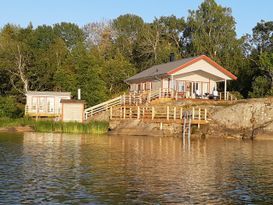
(189, 77)
(45, 104)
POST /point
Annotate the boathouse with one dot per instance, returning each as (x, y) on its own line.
(194, 77)
(45, 104)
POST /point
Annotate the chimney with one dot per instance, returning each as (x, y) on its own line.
(79, 94)
(172, 57)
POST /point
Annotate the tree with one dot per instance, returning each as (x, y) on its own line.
(127, 29)
(14, 57)
(115, 71)
(70, 33)
(211, 31)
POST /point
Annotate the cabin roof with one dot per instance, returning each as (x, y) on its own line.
(170, 68)
(48, 93)
(66, 101)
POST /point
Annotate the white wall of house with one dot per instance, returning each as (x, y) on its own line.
(203, 65)
(44, 103)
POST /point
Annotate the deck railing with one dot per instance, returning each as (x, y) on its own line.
(159, 114)
(103, 106)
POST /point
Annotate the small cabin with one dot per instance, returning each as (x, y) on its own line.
(45, 104)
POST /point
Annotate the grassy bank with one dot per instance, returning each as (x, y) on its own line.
(93, 127)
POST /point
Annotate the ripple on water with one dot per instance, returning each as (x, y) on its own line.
(71, 169)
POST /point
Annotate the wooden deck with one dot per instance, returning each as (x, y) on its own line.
(160, 114)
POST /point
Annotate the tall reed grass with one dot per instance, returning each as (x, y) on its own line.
(93, 127)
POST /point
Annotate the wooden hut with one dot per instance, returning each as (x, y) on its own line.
(45, 104)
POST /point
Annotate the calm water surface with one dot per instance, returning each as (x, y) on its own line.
(81, 169)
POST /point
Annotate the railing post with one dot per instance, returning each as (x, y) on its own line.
(181, 113)
(199, 117)
(168, 113)
(153, 113)
(111, 113)
(193, 113)
(174, 113)
(124, 112)
(124, 99)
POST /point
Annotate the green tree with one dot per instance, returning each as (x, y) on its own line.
(211, 31)
(115, 71)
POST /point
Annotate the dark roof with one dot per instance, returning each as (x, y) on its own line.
(159, 70)
(73, 101)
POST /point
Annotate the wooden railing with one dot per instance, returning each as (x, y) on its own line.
(159, 114)
(229, 96)
(103, 106)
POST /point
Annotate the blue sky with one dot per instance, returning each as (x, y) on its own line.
(246, 12)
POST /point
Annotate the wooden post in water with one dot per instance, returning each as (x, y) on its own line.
(174, 113)
(168, 113)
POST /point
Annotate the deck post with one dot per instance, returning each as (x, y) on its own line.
(124, 112)
(199, 117)
(225, 90)
(205, 114)
(174, 113)
(111, 113)
(168, 113)
(138, 112)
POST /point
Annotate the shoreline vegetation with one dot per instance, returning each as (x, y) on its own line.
(92, 127)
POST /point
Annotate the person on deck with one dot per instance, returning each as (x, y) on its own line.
(215, 94)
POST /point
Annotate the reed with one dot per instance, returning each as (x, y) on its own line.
(93, 127)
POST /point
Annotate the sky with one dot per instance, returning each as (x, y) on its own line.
(20, 12)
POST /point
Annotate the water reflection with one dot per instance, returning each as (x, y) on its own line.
(58, 168)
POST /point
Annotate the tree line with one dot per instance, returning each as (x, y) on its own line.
(99, 56)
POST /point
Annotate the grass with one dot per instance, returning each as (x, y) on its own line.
(93, 127)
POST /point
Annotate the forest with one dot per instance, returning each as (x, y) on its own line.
(99, 56)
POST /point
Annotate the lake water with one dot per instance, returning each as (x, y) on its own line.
(40, 168)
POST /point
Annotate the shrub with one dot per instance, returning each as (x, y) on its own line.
(9, 108)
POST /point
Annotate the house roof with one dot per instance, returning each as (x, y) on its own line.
(48, 93)
(170, 68)
(72, 101)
